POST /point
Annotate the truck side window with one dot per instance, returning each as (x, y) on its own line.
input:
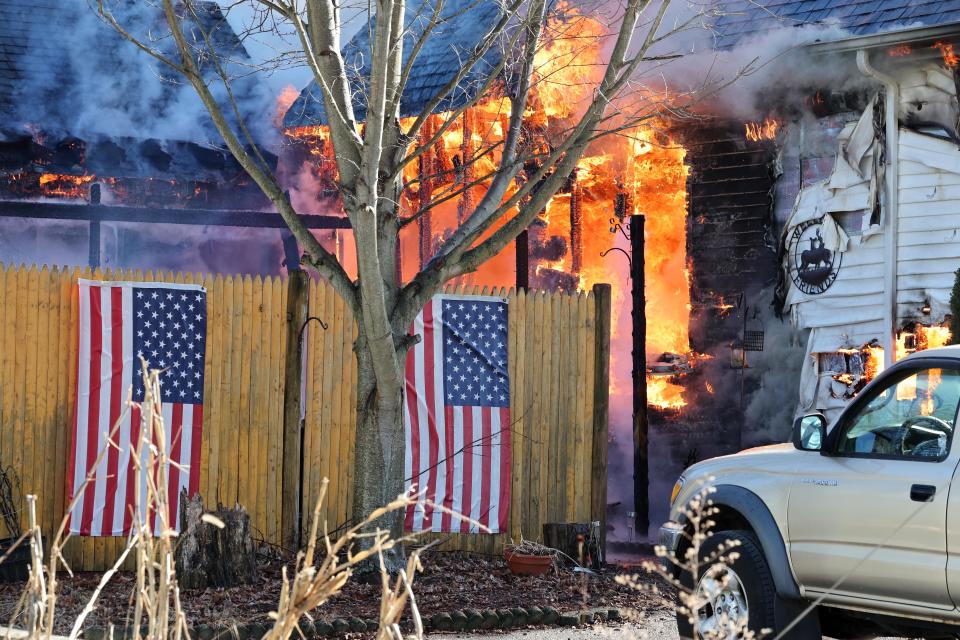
(911, 417)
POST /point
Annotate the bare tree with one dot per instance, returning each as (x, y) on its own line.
(370, 157)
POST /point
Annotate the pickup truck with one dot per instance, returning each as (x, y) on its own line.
(850, 531)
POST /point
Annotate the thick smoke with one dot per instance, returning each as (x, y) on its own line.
(740, 82)
(81, 77)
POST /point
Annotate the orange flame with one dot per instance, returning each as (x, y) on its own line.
(766, 130)
(55, 184)
(664, 394)
(900, 51)
(950, 58)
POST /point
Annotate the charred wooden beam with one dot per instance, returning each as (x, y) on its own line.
(105, 213)
(522, 245)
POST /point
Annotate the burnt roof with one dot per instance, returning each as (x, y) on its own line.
(57, 58)
(744, 18)
(463, 24)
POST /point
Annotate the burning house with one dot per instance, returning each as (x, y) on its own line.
(829, 196)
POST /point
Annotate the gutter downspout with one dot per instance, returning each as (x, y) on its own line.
(891, 174)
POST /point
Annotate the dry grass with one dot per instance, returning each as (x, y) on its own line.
(319, 574)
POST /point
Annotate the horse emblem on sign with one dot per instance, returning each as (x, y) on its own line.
(812, 266)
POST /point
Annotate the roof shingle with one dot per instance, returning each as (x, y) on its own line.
(462, 26)
(741, 20)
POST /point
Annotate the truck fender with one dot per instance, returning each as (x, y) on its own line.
(756, 513)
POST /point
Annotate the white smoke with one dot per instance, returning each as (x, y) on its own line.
(95, 82)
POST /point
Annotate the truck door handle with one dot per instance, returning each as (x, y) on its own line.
(922, 492)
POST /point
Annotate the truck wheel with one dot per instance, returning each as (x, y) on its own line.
(736, 593)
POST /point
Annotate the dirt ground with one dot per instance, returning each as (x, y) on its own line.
(654, 626)
(450, 581)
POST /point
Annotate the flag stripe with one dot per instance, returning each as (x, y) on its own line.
(116, 380)
(197, 426)
(505, 451)
(93, 395)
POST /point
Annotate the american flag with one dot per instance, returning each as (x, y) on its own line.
(120, 322)
(457, 414)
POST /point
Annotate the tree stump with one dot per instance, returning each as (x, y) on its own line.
(567, 537)
(208, 556)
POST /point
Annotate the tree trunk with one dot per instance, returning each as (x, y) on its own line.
(378, 458)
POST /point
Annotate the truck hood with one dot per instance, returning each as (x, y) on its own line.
(761, 457)
(762, 470)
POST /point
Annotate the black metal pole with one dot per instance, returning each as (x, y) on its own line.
(523, 260)
(641, 470)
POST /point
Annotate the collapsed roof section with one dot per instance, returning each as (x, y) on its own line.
(462, 26)
(742, 19)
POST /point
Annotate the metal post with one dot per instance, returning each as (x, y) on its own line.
(523, 260)
(641, 470)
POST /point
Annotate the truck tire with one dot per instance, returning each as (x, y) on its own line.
(748, 591)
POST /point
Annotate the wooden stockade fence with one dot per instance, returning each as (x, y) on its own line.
(257, 331)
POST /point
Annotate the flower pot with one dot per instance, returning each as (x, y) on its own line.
(522, 564)
(16, 568)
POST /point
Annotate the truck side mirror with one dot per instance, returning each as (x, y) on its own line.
(809, 432)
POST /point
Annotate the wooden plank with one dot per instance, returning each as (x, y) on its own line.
(47, 458)
(601, 386)
(254, 468)
(584, 426)
(581, 388)
(352, 409)
(297, 293)
(517, 315)
(8, 383)
(28, 406)
(273, 320)
(540, 327)
(549, 478)
(340, 363)
(330, 433)
(244, 490)
(69, 346)
(566, 404)
(230, 400)
(216, 371)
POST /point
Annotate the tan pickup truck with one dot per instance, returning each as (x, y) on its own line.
(854, 523)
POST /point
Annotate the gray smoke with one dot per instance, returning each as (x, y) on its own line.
(83, 78)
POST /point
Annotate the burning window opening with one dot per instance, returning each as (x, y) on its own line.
(760, 131)
(641, 170)
(854, 368)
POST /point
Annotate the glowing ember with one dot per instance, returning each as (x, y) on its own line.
(845, 378)
(54, 184)
(709, 388)
(766, 130)
(900, 51)
(950, 57)
(874, 363)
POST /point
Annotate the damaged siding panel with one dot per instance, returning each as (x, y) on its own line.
(928, 243)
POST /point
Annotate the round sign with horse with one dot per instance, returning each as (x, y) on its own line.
(813, 267)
